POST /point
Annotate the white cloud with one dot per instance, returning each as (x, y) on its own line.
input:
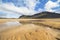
(40, 10)
(28, 10)
(58, 1)
(57, 10)
(12, 8)
(31, 3)
(49, 5)
(9, 14)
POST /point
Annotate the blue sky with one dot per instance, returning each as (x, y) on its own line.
(16, 8)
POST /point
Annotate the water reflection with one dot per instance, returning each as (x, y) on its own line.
(13, 23)
(7, 25)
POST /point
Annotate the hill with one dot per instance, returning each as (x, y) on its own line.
(42, 15)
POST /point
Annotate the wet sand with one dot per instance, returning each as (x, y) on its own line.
(30, 29)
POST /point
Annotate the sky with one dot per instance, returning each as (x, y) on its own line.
(16, 8)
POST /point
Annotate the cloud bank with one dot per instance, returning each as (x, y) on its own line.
(26, 10)
(26, 7)
(49, 5)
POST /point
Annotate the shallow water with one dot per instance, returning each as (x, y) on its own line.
(7, 25)
(26, 26)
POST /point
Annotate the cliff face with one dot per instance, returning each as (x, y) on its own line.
(43, 15)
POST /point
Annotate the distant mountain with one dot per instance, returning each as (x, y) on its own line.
(43, 15)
